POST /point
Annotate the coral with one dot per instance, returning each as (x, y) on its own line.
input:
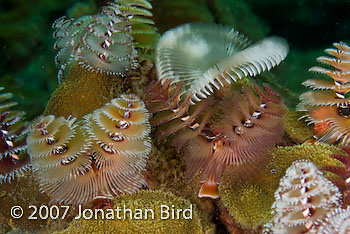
(328, 107)
(152, 200)
(166, 170)
(249, 205)
(231, 226)
(14, 161)
(23, 192)
(192, 54)
(303, 198)
(103, 43)
(249, 202)
(82, 92)
(100, 156)
(295, 128)
(336, 221)
(140, 78)
(317, 153)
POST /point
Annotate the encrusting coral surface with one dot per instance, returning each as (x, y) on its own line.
(141, 221)
(90, 145)
(296, 129)
(82, 92)
(258, 194)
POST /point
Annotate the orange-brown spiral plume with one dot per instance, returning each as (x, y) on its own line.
(161, 97)
(214, 134)
(174, 113)
(14, 160)
(102, 155)
(250, 125)
(328, 107)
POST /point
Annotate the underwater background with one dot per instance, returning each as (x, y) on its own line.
(27, 67)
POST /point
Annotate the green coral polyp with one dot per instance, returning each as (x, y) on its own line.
(297, 130)
(151, 200)
(246, 208)
(318, 153)
(89, 91)
(249, 203)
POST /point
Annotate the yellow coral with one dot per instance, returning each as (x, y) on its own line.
(249, 203)
(166, 171)
(150, 199)
(297, 130)
(318, 153)
(246, 206)
(82, 92)
(24, 192)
